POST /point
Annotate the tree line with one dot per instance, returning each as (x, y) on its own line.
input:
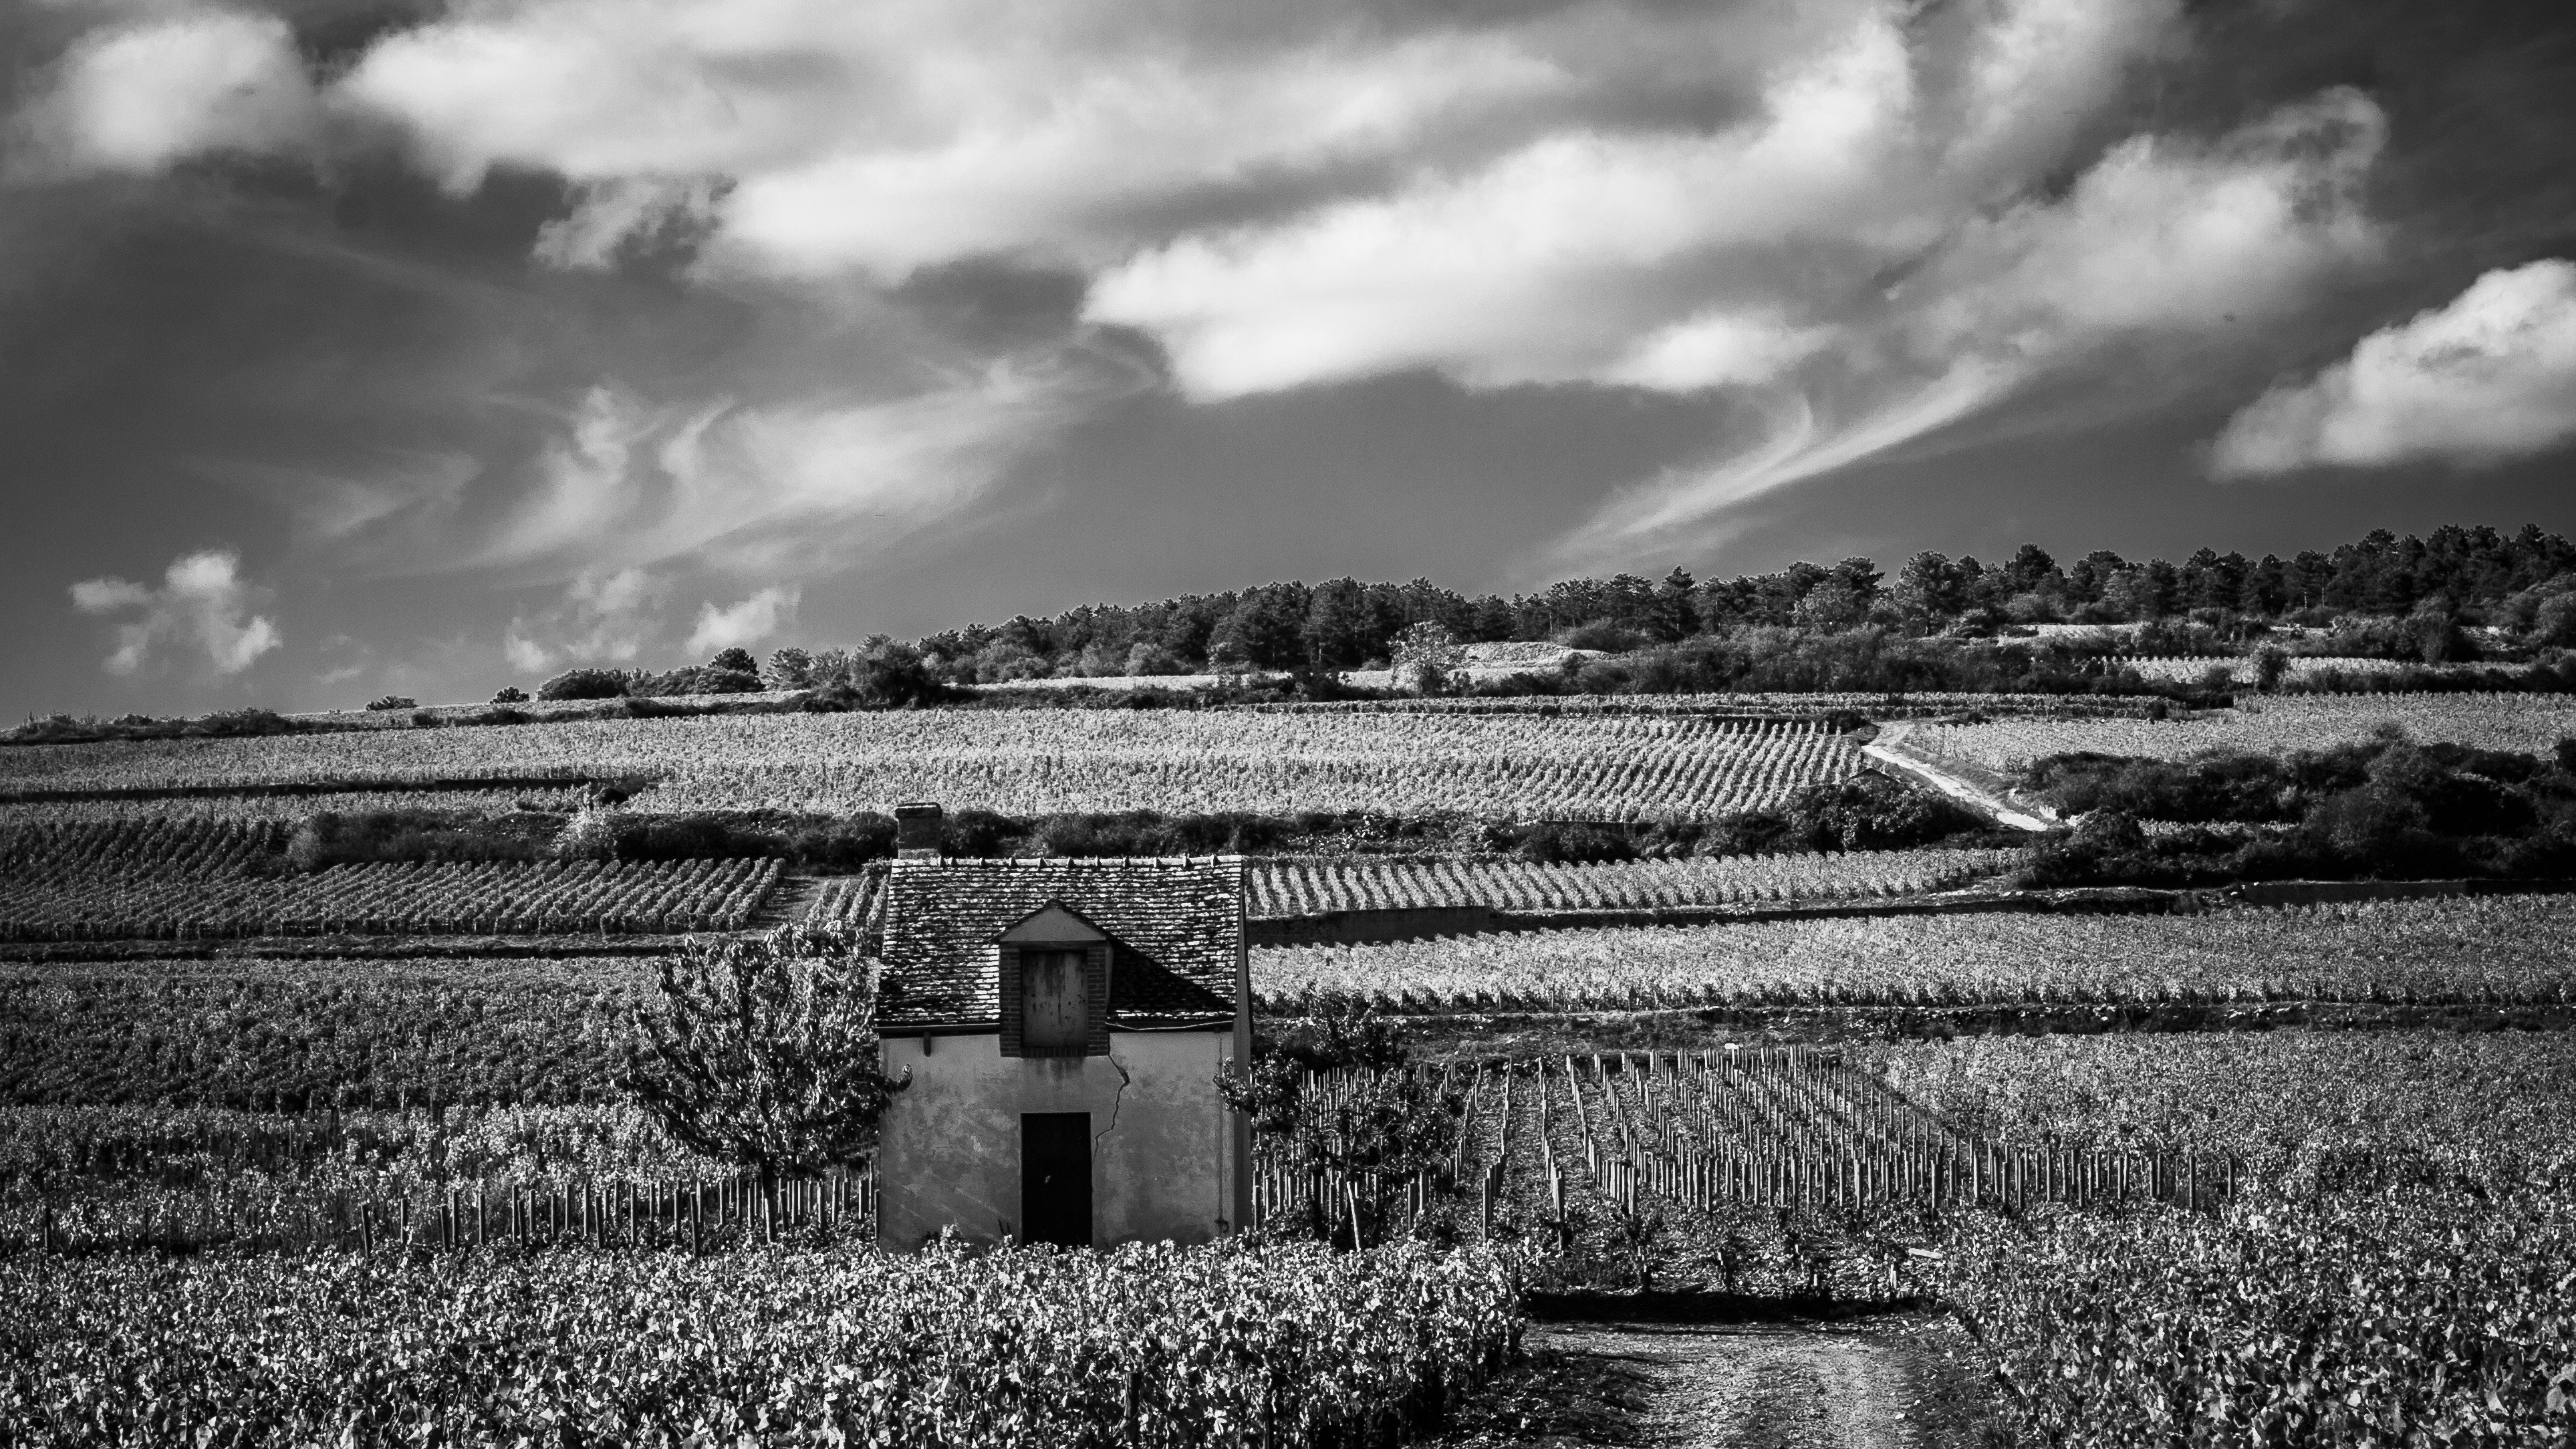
(2367, 589)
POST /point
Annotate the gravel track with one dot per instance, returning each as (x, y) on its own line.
(1902, 1382)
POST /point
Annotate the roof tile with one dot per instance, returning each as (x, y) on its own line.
(1178, 920)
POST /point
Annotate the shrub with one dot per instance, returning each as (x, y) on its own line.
(232, 722)
(329, 838)
(510, 694)
(585, 684)
(1145, 658)
(393, 701)
(1555, 840)
(1426, 656)
(889, 678)
(697, 679)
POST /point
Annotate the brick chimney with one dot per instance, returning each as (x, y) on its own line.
(916, 830)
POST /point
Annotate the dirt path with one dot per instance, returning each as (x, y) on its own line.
(1895, 1383)
(1888, 750)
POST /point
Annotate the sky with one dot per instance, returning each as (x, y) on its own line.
(423, 348)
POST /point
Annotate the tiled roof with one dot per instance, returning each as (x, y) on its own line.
(1178, 923)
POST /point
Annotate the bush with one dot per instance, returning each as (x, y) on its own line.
(696, 679)
(393, 701)
(1552, 841)
(329, 838)
(510, 694)
(235, 722)
(585, 684)
(890, 678)
(1603, 635)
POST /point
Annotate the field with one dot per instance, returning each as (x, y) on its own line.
(2190, 669)
(2286, 1102)
(314, 1033)
(2395, 1271)
(1142, 1346)
(2161, 1239)
(1514, 765)
(1313, 887)
(196, 879)
(286, 808)
(2521, 723)
(2513, 949)
(408, 1183)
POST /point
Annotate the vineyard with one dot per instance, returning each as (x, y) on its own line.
(2160, 1239)
(107, 1178)
(2190, 669)
(1817, 705)
(202, 878)
(1514, 765)
(2397, 1266)
(1284, 1345)
(2471, 949)
(556, 799)
(1710, 1131)
(315, 1033)
(2519, 723)
(1314, 887)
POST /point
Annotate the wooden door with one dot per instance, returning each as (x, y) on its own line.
(1055, 1178)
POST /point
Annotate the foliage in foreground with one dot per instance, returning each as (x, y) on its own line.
(2400, 1270)
(1285, 1343)
(2434, 1313)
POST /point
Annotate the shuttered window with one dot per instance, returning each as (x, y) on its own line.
(1052, 1020)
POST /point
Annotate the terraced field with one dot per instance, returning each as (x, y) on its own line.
(2521, 723)
(211, 878)
(1314, 887)
(2518, 949)
(1617, 767)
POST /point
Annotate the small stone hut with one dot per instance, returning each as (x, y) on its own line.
(1064, 1022)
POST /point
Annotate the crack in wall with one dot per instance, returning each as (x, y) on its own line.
(1124, 1081)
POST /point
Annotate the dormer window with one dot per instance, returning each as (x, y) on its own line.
(1055, 985)
(1053, 1014)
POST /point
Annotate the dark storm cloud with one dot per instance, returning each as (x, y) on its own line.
(485, 337)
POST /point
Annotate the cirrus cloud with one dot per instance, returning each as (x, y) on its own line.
(2488, 376)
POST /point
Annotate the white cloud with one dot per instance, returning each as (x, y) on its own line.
(1548, 265)
(605, 618)
(202, 602)
(748, 622)
(2487, 377)
(612, 215)
(526, 655)
(144, 97)
(1568, 258)
(2162, 244)
(1717, 349)
(892, 135)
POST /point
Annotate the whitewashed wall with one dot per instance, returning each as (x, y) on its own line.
(1165, 1157)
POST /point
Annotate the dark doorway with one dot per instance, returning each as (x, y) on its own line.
(1055, 1178)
